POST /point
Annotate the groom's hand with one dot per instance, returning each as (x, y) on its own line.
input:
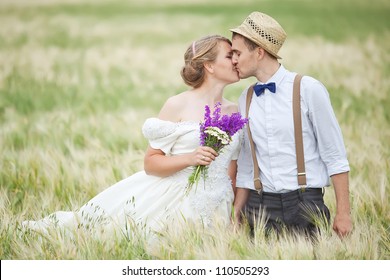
(240, 200)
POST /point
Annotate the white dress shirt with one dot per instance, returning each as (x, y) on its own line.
(272, 127)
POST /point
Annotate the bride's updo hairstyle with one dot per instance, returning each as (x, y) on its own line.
(199, 52)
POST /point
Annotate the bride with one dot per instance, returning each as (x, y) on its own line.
(156, 197)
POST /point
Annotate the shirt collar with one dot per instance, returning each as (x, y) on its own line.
(277, 77)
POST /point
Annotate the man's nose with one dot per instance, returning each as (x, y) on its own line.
(234, 59)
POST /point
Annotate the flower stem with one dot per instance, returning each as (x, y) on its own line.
(194, 178)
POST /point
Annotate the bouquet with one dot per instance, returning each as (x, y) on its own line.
(215, 132)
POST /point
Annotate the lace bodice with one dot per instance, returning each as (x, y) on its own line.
(183, 137)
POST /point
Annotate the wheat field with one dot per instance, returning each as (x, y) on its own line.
(78, 79)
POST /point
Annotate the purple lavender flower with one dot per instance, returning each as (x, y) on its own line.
(203, 126)
(216, 115)
(227, 124)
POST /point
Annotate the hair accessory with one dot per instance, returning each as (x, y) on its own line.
(264, 31)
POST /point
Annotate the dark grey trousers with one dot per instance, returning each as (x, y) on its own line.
(296, 210)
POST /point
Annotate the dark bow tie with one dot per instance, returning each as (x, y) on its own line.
(259, 89)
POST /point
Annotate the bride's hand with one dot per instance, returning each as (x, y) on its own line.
(203, 156)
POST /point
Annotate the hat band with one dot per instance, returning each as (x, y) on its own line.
(263, 33)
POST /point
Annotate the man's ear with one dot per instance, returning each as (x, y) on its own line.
(260, 52)
(209, 67)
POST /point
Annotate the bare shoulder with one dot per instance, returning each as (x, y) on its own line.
(171, 110)
(230, 107)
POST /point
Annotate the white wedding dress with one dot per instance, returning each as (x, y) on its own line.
(151, 202)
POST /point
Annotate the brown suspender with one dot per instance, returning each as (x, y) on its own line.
(297, 133)
(256, 168)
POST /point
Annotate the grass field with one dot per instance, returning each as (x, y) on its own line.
(78, 79)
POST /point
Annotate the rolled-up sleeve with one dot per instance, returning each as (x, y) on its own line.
(326, 128)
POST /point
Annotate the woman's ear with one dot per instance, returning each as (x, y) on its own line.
(209, 67)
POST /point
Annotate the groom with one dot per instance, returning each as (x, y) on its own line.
(285, 203)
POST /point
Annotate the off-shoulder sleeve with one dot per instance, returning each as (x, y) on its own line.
(161, 134)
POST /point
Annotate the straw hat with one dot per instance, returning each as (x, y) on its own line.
(264, 31)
